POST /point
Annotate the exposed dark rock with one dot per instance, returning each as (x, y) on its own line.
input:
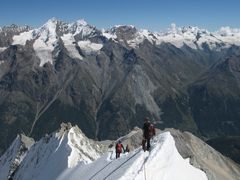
(110, 91)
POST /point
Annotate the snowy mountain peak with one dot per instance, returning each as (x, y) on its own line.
(123, 29)
(65, 127)
(15, 28)
(89, 39)
(82, 28)
(123, 26)
(185, 29)
(53, 20)
(82, 22)
(55, 152)
(49, 27)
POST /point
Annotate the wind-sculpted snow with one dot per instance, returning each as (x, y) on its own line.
(69, 154)
(163, 162)
(54, 153)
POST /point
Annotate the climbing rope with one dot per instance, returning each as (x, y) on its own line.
(100, 170)
(121, 164)
(110, 157)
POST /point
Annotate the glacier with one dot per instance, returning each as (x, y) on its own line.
(81, 35)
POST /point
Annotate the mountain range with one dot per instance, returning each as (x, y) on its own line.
(107, 81)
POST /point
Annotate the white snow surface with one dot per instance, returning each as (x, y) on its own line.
(8, 157)
(89, 47)
(46, 38)
(163, 162)
(140, 36)
(24, 37)
(46, 42)
(82, 27)
(193, 37)
(14, 155)
(69, 43)
(109, 35)
(53, 154)
(70, 155)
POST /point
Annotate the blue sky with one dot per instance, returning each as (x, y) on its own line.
(150, 14)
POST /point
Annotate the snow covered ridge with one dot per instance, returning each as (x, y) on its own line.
(14, 28)
(57, 152)
(163, 162)
(69, 155)
(47, 37)
(190, 36)
(54, 29)
(193, 37)
(14, 155)
(89, 39)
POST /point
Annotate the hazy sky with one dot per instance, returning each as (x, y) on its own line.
(150, 14)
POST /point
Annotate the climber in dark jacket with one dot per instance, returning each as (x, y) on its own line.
(148, 133)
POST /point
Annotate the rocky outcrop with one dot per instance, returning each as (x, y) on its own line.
(202, 156)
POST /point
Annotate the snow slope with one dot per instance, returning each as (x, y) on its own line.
(10, 160)
(7, 159)
(46, 42)
(46, 38)
(193, 37)
(69, 43)
(163, 162)
(69, 155)
(89, 47)
(53, 154)
(23, 37)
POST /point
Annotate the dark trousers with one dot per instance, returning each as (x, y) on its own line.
(117, 155)
(146, 140)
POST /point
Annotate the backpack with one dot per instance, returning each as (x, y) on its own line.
(119, 148)
(151, 130)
